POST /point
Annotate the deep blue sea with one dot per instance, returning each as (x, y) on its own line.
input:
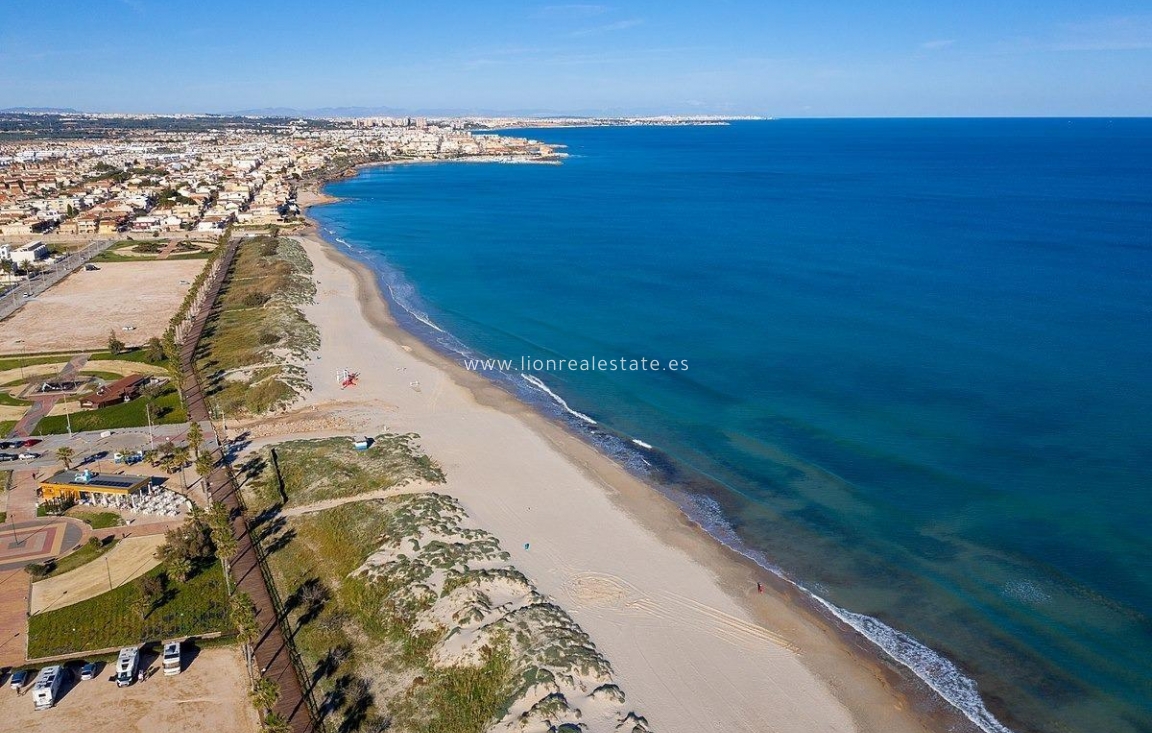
(919, 364)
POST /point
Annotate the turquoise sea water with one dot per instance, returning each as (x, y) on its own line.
(918, 364)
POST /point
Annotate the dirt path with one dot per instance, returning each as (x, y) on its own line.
(123, 563)
(319, 506)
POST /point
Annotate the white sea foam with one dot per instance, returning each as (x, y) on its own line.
(935, 670)
(938, 672)
(556, 398)
(642, 444)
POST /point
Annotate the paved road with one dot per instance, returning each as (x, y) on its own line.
(273, 654)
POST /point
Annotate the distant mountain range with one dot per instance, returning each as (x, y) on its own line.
(39, 111)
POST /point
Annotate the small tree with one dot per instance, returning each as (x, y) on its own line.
(150, 589)
(64, 454)
(115, 345)
(154, 350)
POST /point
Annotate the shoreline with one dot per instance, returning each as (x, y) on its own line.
(878, 692)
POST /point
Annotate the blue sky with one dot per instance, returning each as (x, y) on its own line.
(786, 59)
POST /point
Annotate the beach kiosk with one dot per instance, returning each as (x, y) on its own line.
(89, 487)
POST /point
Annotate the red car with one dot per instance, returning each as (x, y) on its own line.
(29, 442)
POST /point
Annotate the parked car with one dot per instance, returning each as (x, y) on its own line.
(88, 671)
(29, 442)
(29, 456)
(19, 679)
(7, 457)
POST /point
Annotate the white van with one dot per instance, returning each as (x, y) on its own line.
(171, 658)
(126, 664)
(46, 688)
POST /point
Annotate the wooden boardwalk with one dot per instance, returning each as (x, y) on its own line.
(275, 658)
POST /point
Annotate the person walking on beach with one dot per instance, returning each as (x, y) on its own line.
(759, 587)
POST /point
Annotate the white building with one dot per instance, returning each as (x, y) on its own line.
(25, 254)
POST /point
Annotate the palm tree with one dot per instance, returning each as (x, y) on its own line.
(195, 438)
(243, 614)
(65, 454)
(204, 466)
(181, 567)
(265, 694)
(275, 723)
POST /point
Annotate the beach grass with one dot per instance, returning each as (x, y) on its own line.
(329, 468)
(198, 606)
(257, 333)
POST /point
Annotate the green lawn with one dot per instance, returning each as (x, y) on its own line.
(16, 361)
(7, 399)
(199, 606)
(166, 410)
(83, 555)
(107, 376)
(146, 250)
(97, 520)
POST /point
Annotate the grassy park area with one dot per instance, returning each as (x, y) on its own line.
(167, 408)
(198, 606)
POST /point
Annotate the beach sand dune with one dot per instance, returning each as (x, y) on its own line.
(677, 616)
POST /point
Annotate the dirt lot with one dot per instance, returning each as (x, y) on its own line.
(209, 695)
(79, 312)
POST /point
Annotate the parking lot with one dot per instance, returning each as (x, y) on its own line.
(94, 449)
(209, 695)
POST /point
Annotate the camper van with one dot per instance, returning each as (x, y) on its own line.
(171, 658)
(46, 688)
(126, 664)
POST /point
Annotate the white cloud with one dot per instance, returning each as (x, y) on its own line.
(575, 10)
(937, 44)
(619, 25)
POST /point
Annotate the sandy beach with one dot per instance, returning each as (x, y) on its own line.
(678, 615)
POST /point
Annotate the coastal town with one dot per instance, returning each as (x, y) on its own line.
(163, 179)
